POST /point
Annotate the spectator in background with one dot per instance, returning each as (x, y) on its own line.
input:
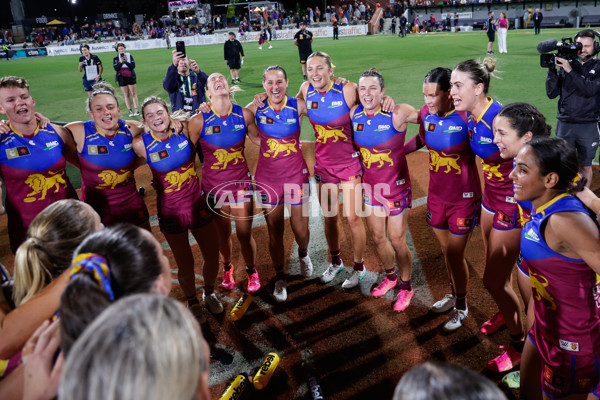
(403, 25)
(381, 22)
(490, 26)
(232, 51)
(185, 84)
(455, 22)
(124, 64)
(336, 29)
(537, 21)
(393, 25)
(303, 40)
(502, 31)
(89, 64)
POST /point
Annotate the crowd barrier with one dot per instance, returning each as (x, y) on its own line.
(197, 40)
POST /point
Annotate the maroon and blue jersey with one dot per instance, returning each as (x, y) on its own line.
(173, 171)
(481, 136)
(453, 175)
(566, 291)
(330, 116)
(33, 170)
(107, 180)
(382, 155)
(280, 159)
(222, 141)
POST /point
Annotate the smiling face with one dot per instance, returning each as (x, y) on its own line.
(17, 104)
(105, 112)
(370, 94)
(156, 117)
(528, 183)
(121, 49)
(319, 73)
(217, 86)
(275, 85)
(463, 90)
(507, 139)
(437, 101)
(85, 52)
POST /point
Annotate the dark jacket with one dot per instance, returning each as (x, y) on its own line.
(174, 82)
(117, 65)
(233, 50)
(579, 92)
(537, 19)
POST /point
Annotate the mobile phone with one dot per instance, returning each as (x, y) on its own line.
(180, 47)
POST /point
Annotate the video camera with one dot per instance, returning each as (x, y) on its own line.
(567, 48)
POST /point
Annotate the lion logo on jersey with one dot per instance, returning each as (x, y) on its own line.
(276, 147)
(491, 171)
(112, 178)
(41, 184)
(224, 157)
(323, 134)
(380, 157)
(540, 289)
(177, 179)
(445, 160)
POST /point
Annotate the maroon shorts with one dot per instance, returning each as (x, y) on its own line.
(138, 216)
(503, 206)
(459, 218)
(566, 373)
(176, 221)
(392, 204)
(229, 193)
(283, 193)
(337, 175)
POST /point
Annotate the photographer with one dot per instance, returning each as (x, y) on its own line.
(185, 84)
(576, 84)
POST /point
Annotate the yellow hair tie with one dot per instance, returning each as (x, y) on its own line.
(98, 266)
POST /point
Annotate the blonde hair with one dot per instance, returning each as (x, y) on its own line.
(100, 88)
(478, 71)
(52, 237)
(178, 115)
(232, 89)
(159, 347)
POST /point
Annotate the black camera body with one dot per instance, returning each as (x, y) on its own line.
(567, 48)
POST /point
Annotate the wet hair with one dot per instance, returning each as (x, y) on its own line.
(441, 381)
(159, 347)
(274, 68)
(10, 82)
(326, 57)
(100, 88)
(372, 73)
(134, 266)
(478, 71)
(83, 46)
(119, 45)
(558, 156)
(441, 76)
(52, 237)
(524, 117)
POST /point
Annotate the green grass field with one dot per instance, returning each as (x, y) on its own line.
(56, 83)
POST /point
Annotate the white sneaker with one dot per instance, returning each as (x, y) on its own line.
(270, 47)
(331, 272)
(354, 278)
(443, 305)
(306, 266)
(260, 47)
(280, 292)
(213, 303)
(455, 319)
(131, 113)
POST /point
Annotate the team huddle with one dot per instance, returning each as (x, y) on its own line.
(527, 209)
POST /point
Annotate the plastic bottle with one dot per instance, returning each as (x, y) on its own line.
(236, 388)
(315, 389)
(264, 373)
(240, 307)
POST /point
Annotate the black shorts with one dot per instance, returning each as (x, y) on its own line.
(583, 137)
(125, 81)
(234, 63)
(303, 57)
(491, 35)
